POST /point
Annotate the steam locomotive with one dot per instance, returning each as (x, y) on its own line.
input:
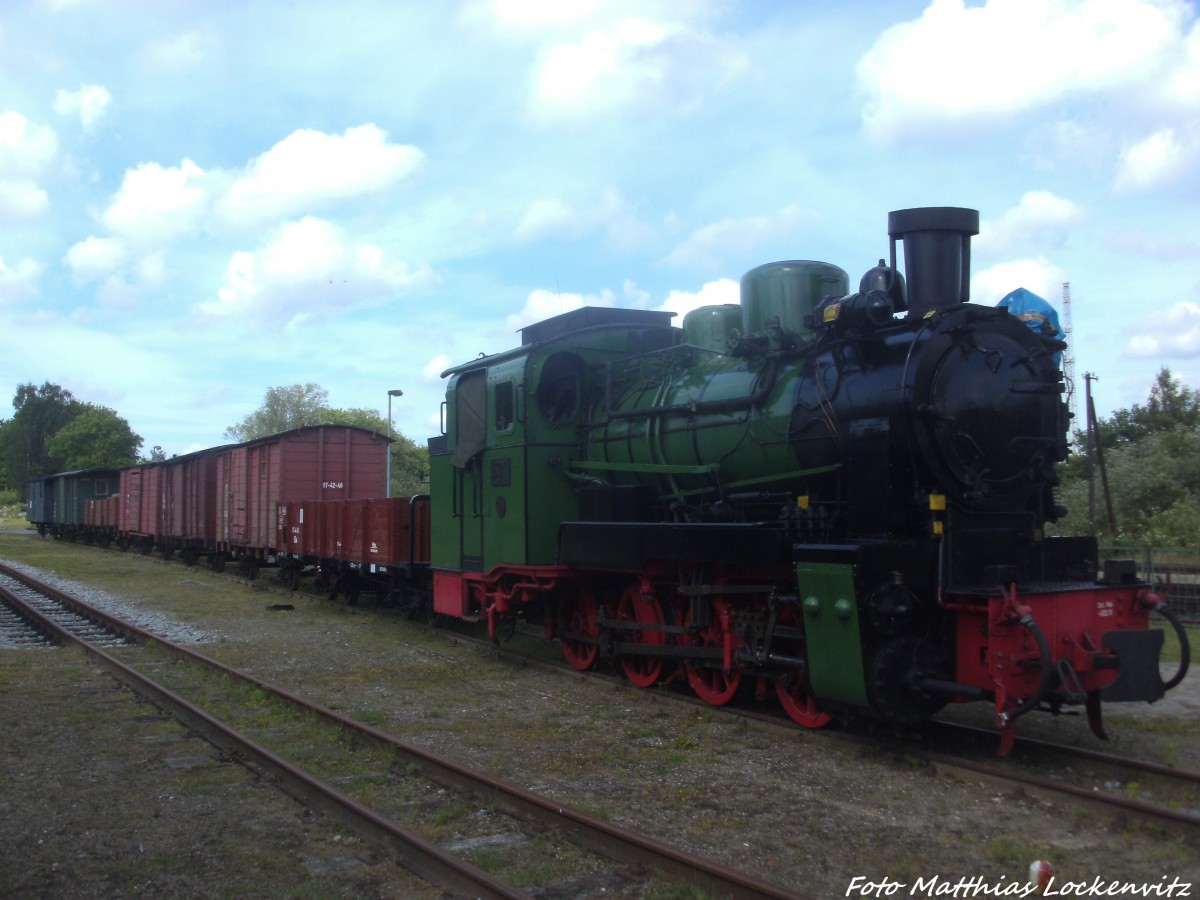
(836, 497)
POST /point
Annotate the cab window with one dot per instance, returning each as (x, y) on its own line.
(504, 406)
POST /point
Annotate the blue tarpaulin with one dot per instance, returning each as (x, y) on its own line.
(1035, 312)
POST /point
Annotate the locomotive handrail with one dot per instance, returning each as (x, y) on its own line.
(600, 465)
(727, 404)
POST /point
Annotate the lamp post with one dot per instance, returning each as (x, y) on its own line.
(394, 392)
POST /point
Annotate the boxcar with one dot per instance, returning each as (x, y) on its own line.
(317, 462)
(140, 508)
(57, 503)
(189, 500)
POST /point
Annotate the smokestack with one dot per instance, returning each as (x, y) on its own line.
(937, 254)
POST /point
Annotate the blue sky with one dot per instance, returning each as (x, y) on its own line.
(202, 199)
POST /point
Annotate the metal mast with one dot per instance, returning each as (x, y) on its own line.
(1068, 360)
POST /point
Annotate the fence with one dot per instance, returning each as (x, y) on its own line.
(1179, 569)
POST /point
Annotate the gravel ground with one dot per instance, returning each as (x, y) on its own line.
(796, 808)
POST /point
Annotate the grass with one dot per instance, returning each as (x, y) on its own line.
(1170, 651)
(12, 515)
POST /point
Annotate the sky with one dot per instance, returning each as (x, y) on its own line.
(201, 199)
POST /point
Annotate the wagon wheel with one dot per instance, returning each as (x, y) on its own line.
(579, 617)
(712, 683)
(793, 697)
(644, 671)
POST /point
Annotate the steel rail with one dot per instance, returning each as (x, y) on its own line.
(415, 853)
(1100, 756)
(998, 771)
(590, 832)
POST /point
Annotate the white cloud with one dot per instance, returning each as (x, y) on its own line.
(1040, 219)
(182, 51)
(1007, 56)
(310, 269)
(25, 148)
(539, 13)
(709, 246)
(94, 257)
(713, 293)
(990, 285)
(432, 370)
(19, 282)
(551, 218)
(548, 218)
(89, 103)
(308, 168)
(22, 199)
(542, 304)
(1171, 332)
(605, 68)
(156, 204)
(635, 61)
(1156, 160)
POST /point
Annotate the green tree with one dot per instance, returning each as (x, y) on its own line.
(1152, 453)
(283, 409)
(25, 438)
(410, 467)
(1171, 405)
(96, 437)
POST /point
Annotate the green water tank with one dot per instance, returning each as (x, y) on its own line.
(710, 326)
(788, 291)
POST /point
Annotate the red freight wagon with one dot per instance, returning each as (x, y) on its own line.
(141, 513)
(190, 502)
(317, 462)
(230, 488)
(376, 544)
(100, 518)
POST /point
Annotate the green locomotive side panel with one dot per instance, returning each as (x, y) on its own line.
(553, 499)
(445, 527)
(833, 637)
(503, 508)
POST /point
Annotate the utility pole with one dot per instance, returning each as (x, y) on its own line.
(387, 492)
(1096, 451)
(1069, 353)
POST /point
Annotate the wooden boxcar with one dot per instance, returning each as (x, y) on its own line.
(57, 503)
(141, 506)
(317, 462)
(189, 500)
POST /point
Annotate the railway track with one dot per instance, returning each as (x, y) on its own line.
(308, 749)
(1123, 785)
(1130, 785)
